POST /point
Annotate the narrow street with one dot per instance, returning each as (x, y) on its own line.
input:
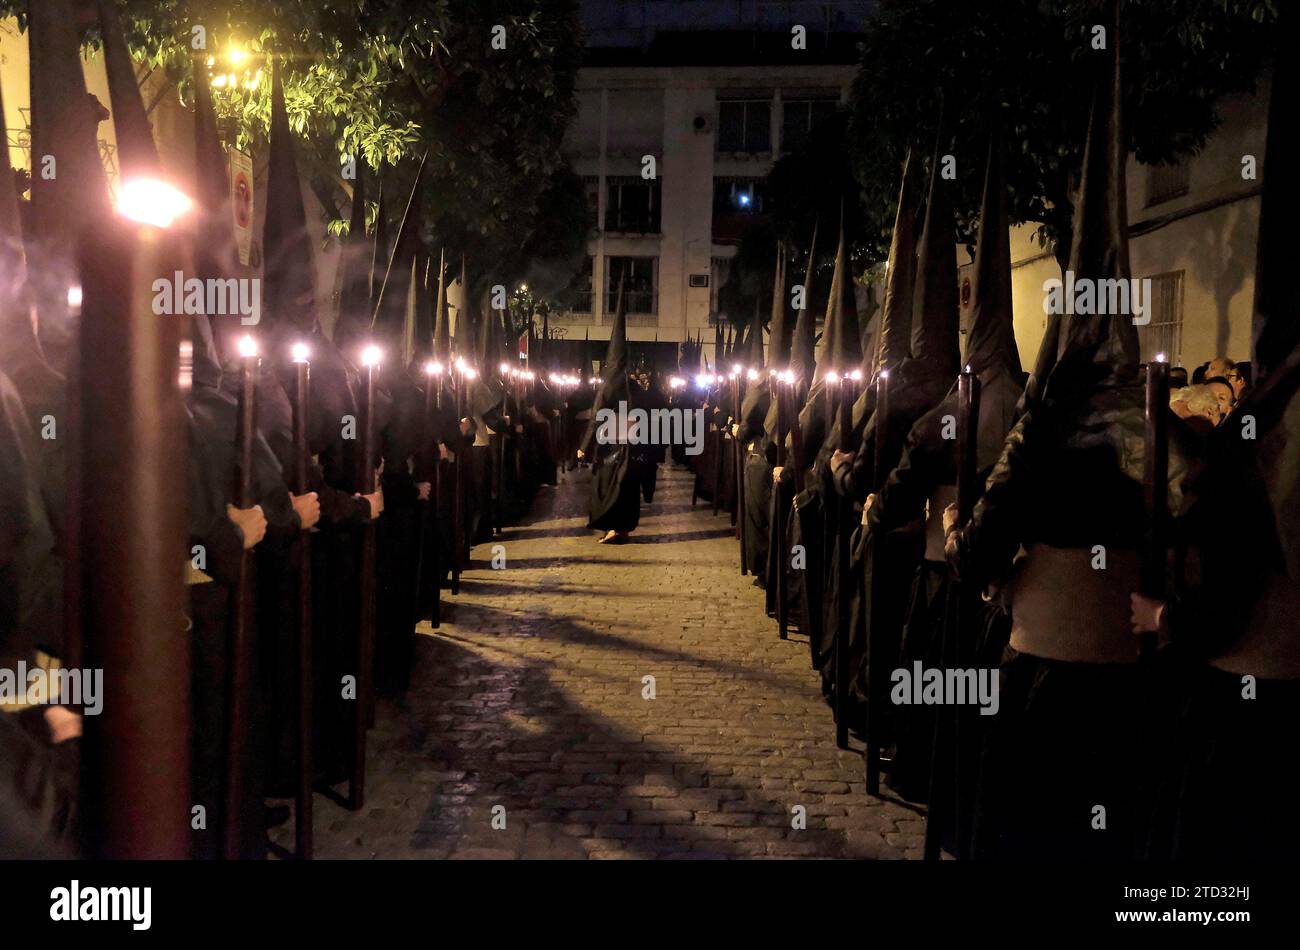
(533, 696)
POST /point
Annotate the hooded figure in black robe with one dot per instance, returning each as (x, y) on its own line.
(758, 448)
(621, 472)
(922, 486)
(1230, 793)
(1063, 768)
(788, 479)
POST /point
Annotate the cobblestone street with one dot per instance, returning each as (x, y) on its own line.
(532, 696)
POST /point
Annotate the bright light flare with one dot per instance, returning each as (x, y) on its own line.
(152, 202)
(856, 375)
(300, 352)
(370, 356)
(433, 368)
(247, 347)
(74, 297)
(753, 374)
(832, 377)
(1160, 357)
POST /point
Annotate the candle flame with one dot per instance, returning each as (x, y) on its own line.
(247, 347)
(153, 202)
(300, 352)
(370, 356)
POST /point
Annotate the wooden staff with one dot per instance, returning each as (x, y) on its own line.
(945, 772)
(778, 515)
(718, 457)
(239, 679)
(426, 517)
(458, 486)
(136, 792)
(871, 660)
(843, 536)
(302, 546)
(1155, 490)
(435, 493)
(739, 454)
(366, 634)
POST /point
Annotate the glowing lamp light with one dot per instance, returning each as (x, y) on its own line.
(832, 377)
(74, 296)
(856, 375)
(470, 372)
(152, 202)
(370, 356)
(753, 374)
(743, 200)
(219, 82)
(1160, 357)
(884, 374)
(433, 368)
(237, 55)
(505, 368)
(461, 366)
(300, 352)
(247, 347)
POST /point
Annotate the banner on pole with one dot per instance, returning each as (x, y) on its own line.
(241, 201)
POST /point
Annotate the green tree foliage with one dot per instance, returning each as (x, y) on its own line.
(1025, 64)
(484, 87)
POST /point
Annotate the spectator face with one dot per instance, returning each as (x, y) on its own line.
(1238, 382)
(1225, 395)
(1218, 367)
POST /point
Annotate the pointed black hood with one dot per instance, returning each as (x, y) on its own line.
(392, 317)
(1095, 350)
(1275, 332)
(990, 337)
(64, 124)
(290, 269)
(803, 342)
(215, 252)
(442, 319)
(352, 323)
(935, 315)
(900, 278)
(136, 152)
(779, 329)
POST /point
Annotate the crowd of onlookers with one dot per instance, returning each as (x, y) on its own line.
(1213, 392)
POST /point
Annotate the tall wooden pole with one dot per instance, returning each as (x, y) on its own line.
(366, 633)
(945, 772)
(779, 511)
(740, 474)
(843, 534)
(239, 662)
(871, 661)
(137, 794)
(302, 546)
(1155, 489)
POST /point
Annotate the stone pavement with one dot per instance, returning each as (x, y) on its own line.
(529, 707)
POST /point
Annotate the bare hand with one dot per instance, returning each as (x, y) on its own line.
(308, 508)
(840, 459)
(425, 489)
(949, 519)
(250, 522)
(776, 474)
(376, 500)
(64, 724)
(1149, 615)
(443, 454)
(581, 455)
